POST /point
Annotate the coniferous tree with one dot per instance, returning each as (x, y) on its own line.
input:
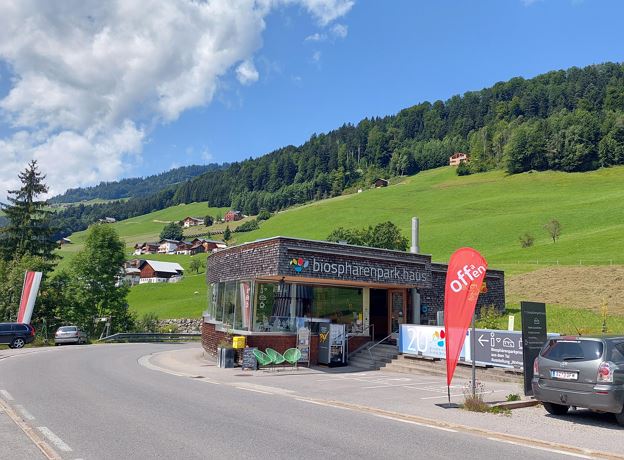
(28, 231)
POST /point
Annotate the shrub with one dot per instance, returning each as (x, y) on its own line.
(263, 215)
(513, 397)
(475, 402)
(248, 226)
(489, 317)
(148, 322)
(463, 169)
(526, 240)
(169, 329)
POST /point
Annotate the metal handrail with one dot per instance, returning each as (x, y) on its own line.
(347, 337)
(147, 336)
(378, 343)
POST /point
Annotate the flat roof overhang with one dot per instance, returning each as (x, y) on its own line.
(340, 283)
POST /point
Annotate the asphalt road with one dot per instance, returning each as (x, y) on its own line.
(100, 403)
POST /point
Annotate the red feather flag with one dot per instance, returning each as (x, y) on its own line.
(465, 275)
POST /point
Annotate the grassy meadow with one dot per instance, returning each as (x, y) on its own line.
(488, 211)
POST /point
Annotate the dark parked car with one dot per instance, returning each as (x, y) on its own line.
(70, 334)
(16, 335)
(581, 372)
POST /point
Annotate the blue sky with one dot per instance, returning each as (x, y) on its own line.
(396, 54)
(310, 73)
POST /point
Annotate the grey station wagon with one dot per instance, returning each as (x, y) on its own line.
(583, 372)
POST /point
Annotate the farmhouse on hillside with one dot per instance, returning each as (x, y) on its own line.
(168, 246)
(457, 158)
(145, 248)
(154, 271)
(192, 221)
(232, 216)
(107, 220)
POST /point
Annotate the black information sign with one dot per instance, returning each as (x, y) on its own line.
(249, 359)
(498, 348)
(533, 337)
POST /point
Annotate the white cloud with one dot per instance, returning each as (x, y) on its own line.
(327, 11)
(336, 31)
(316, 56)
(246, 73)
(91, 79)
(317, 37)
(339, 30)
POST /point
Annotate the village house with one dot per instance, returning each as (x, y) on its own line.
(457, 158)
(232, 216)
(210, 245)
(153, 271)
(168, 246)
(145, 248)
(107, 220)
(192, 222)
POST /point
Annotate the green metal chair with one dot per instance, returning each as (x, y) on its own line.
(292, 356)
(276, 357)
(263, 359)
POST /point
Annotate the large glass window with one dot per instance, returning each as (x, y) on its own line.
(230, 303)
(278, 304)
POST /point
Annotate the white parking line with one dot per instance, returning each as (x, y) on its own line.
(54, 439)
(6, 395)
(546, 449)
(255, 391)
(27, 415)
(461, 394)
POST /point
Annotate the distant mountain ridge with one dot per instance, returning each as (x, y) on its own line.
(566, 120)
(134, 187)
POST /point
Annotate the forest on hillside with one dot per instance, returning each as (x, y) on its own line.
(134, 187)
(568, 120)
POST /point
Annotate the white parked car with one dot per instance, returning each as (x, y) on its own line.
(70, 334)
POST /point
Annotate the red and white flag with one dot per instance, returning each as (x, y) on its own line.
(29, 294)
(465, 275)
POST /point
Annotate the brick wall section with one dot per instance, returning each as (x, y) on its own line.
(434, 298)
(272, 257)
(211, 339)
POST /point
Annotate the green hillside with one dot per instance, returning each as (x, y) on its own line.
(487, 211)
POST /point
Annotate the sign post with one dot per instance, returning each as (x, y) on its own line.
(533, 337)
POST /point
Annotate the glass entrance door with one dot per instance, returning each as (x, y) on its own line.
(397, 313)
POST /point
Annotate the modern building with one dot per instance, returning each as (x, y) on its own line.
(259, 289)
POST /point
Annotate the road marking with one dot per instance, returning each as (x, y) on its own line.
(255, 391)
(27, 415)
(54, 439)
(396, 419)
(6, 395)
(545, 449)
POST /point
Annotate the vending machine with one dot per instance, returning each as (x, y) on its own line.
(332, 344)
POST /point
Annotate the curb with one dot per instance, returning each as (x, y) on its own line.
(516, 404)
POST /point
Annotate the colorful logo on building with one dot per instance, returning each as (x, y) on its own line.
(439, 337)
(299, 264)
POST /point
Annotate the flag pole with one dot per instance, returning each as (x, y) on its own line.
(448, 391)
(473, 351)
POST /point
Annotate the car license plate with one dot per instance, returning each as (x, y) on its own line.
(563, 375)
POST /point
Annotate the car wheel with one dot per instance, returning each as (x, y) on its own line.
(620, 417)
(18, 343)
(556, 409)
